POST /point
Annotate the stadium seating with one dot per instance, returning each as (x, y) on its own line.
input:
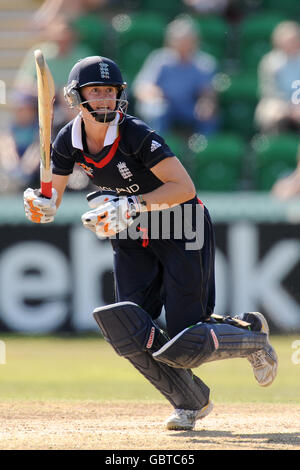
(219, 162)
(238, 102)
(136, 38)
(255, 37)
(214, 32)
(176, 143)
(275, 157)
(168, 8)
(16, 37)
(288, 7)
(92, 31)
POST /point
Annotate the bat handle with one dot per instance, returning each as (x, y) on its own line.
(46, 189)
(46, 182)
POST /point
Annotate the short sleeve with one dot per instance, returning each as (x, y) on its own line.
(61, 155)
(154, 149)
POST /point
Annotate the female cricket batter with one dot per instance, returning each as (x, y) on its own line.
(137, 177)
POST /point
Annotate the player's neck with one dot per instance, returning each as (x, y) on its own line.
(95, 135)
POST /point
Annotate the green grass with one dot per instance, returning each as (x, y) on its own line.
(58, 368)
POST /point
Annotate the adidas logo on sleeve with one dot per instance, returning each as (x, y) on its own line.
(155, 145)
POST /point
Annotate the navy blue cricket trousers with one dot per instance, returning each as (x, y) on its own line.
(165, 273)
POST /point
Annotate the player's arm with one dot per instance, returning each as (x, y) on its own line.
(59, 182)
(177, 188)
(112, 214)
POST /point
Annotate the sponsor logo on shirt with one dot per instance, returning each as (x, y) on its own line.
(89, 171)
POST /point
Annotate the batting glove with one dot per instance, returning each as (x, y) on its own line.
(111, 213)
(38, 208)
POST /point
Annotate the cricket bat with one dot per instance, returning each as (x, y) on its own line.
(46, 96)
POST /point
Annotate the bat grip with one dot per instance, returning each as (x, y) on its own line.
(46, 181)
(46, 189)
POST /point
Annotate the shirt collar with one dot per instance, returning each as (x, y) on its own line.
(111, 134)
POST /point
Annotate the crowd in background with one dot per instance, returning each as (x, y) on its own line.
(177, 82)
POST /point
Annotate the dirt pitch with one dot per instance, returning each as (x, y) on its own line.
(136, 426)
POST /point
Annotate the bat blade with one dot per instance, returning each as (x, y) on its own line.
(46, 96)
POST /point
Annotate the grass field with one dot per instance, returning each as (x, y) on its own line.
(72, 368)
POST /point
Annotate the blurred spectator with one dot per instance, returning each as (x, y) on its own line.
(61, 50)
(83, 15)
(20, 149)
(277, 72)
(231, 10)
(174, 86)
(205, 7)
(286, 188)
(51, 10)
(19, 146)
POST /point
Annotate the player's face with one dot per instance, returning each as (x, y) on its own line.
(101, 98)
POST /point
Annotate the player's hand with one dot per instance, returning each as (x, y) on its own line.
(38, 208)
(96, 200)
(111, 213)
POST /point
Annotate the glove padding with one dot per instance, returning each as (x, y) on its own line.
(111, 213)
(38, 208)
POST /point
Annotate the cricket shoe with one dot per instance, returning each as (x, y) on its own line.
(263, 361)
(185, 420)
